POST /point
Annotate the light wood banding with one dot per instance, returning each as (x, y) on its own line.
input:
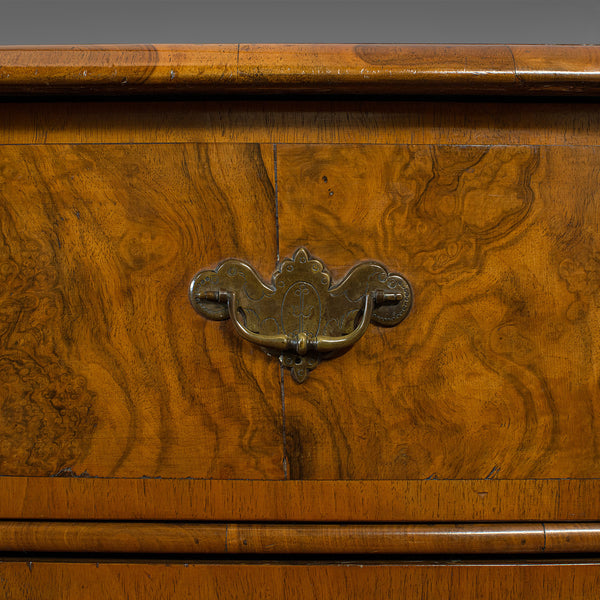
(493, 580)
(340, 501)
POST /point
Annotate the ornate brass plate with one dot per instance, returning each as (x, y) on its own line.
(301, 316)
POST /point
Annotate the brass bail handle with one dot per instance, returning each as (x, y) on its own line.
(301, 343)
(301, 316)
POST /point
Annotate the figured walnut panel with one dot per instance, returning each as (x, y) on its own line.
(495, 371)
(105, 368)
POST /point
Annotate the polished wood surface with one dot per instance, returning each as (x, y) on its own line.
(540, 580)
(130, 426)
(583, 536)
(297, 68)
(106, 370)
(85, 497)
(429, 121)
(473, 259)
(116, 69)
(494, 373)
(293, 538)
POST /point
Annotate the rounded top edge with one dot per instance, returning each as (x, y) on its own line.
(383, 69)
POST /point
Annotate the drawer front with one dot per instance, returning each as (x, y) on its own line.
(481, 405)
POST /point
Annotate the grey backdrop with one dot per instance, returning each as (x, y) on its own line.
(443, 21)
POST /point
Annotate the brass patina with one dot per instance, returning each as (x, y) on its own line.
(301, 317)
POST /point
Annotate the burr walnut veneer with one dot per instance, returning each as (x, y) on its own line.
(147, 452)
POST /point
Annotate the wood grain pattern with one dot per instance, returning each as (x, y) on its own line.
(494, 372)
(293, 68)
(578, 68)
(113, 538)
(81, 498)
(386, 121)
(375, 68)
(115, 69)
(294, 538)
(539, 580)
(47, 409)
(394, 539)
(583, 536)
(106, 369)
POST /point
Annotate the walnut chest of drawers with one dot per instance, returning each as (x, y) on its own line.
(148, 452)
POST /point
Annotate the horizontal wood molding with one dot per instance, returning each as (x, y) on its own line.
(81, 498)
(298, 538)
(291, 68)
(307, 121)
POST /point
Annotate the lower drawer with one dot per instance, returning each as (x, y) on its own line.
(504, 580)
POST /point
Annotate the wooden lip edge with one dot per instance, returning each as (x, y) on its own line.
(397, 69)
(281, 538)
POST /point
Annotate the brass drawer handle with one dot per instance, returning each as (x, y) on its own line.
(301, 316)
(301, 343)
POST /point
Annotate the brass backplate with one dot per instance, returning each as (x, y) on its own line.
(301, 303)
